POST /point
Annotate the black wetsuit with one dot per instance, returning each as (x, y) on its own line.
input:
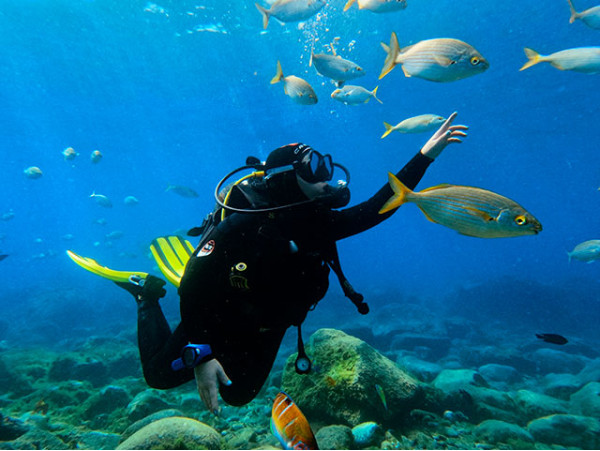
(246, 283)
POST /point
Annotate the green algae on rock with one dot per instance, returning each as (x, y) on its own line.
(341, 387)
(174, 433)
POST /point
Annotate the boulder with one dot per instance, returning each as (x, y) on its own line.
(174, 433)
(38, 439)
(335, 437)
(145, 403)
(567, 430)
(494, 372)
(454, 380)
(552, 361)
(110, 398)
(68, 368)
(560, 386)
(342, 387)
(498, 433)
(97, 440)
(147, 420)
(587, 400)
(428, 346)
(421, 369)
(368, 434)
(11, 428)
(532, 405)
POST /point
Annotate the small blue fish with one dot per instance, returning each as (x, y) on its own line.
(183, 191)
(381, 394)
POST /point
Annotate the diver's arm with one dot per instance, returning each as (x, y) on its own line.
(363, 216)
(208, 377)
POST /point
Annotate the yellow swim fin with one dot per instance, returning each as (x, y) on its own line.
(94, 267)
(172, 254)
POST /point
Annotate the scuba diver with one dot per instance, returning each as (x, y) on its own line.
(262, 263)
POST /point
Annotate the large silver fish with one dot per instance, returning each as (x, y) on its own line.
(440, 60)
(336, 67)
(417, 124)
(590, 17)
(291, 10)
(588, 251)
(299, 90)
(378, 6)
(580, 59)
(470, 211)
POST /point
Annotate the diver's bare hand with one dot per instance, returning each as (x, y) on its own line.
(208, 376)
(446, 134)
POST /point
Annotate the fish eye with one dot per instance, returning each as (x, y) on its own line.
(475, 60)
(521, 220)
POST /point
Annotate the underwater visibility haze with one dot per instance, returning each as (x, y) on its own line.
(119, 118)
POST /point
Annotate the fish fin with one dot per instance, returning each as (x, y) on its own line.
(374, 94)
(392, 54)
(533, 56)
(349, 4)
(440, 186)
(569, 255)
(443, 60)
(480, 213)
(279, 76)
(399, 197)
(388, 129)
(265, 15)
(385, 47)
(574, 14)
(406, 74)
(340, 83)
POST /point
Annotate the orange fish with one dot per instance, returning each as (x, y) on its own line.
(290, 426)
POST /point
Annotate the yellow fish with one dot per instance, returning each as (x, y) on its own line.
(296, 88)
(378, 6)
(418, 124)
(440, 60)
(590, 17)
(470, 211)
(290, 10)
(580, 59)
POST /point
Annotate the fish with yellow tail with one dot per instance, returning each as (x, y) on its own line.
(378, 6)
(468, 210)
(354, 95)
(299, 90)
(590, 17)
(290, 10)
(417, 124)
(289, 424)
(579, 59)
(440, 60)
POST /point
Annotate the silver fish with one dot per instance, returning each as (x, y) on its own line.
(96, 156)
(290, 10)
(590, 17)
(33, 172)
(69, 153)
(102, 200)
(354, 95)
(579, 59)
(470, 211)
(183, 191)
(130, 200)
(114, 235)
(588, 251)
(417, 124)
(299, 90)
(336, 67)
(440, 60)
(378, 6)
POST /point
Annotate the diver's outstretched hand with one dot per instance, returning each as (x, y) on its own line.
(445, 135)
(208, 376)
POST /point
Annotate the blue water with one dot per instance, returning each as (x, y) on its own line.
(167, 103)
